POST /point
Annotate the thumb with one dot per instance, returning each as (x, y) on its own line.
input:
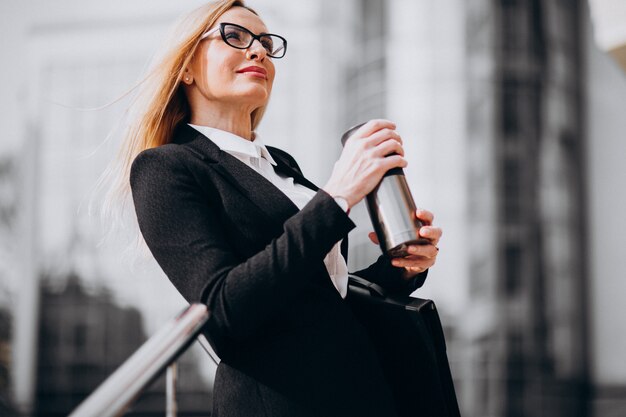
(373, 237)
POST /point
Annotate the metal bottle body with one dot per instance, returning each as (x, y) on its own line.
(392, 211)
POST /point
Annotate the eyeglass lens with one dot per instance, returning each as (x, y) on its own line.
(241, 38)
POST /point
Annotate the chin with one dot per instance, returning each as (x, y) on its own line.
(256, 96)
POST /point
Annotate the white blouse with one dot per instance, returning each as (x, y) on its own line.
(256, 156)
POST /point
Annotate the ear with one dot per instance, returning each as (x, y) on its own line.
(187, 77)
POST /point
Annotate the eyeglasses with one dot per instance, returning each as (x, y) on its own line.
(241, 38)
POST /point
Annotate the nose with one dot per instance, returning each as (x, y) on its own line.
(256, 51)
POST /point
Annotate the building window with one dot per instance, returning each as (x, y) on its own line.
(512, 268)
(512, 190)
(479, 278)
(80, 338)
(515, 375)
(374, 19)
(537, 33)
(513, 29)
(510, 110)
(365, 80)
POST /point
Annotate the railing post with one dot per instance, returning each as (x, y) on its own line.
(171, 405)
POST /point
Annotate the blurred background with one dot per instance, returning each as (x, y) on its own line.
(512, 114)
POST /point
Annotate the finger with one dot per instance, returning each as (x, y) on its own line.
(374, 125)
(425, 216)
(413, 262)
(373, 237)
(421, 263)
(412, 272)
(415, 268)
(381, 136)
(388, 147)
(431, 233)
(391, 161)
(425, 251)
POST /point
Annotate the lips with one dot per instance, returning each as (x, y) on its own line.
(254, 71)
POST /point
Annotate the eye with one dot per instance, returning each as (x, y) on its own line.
(234, 35)
(268, 44)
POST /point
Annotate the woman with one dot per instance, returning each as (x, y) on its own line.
(234, 224)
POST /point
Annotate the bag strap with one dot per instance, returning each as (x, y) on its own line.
(374, 289)
(366, 288)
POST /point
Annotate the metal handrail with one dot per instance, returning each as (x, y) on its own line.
(120, 389)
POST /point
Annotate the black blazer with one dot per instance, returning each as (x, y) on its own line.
(227, 237)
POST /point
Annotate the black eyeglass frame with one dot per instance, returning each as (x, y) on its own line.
(252, 39)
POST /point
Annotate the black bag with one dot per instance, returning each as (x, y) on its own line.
(409, 340)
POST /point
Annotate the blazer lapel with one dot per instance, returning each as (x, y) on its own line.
(272, 202)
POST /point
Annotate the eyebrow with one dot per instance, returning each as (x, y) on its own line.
(247, 27)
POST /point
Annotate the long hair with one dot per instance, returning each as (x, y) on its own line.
(158, 107)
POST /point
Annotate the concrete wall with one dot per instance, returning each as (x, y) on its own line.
(606, 166)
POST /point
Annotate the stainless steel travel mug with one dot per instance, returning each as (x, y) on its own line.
(392, 211)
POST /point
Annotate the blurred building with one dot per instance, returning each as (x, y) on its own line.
(5, 362)
(605, 125)
(491, 99)
(8, 208)
(526, 174)
(83, 338)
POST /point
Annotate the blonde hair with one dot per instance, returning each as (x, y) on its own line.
(158, 107)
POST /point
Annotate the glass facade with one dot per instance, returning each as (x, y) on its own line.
(534, 98)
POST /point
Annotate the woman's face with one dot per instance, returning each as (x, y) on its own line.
(226, 75)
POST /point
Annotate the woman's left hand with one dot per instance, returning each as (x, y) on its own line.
(422, 256)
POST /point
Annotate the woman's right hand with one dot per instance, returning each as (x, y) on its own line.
(364, 161)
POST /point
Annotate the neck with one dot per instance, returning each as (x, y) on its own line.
(230, 119)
